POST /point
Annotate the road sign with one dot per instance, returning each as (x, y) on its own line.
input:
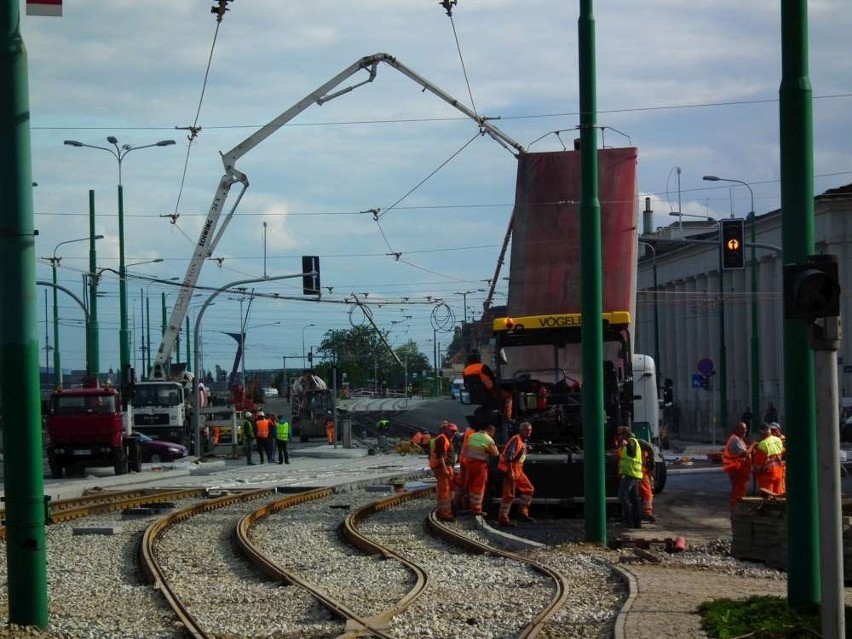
(705, 367)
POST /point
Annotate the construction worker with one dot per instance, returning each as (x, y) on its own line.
(511, 464)
(630, 473)
(480, 447)
(461, 502)
(440, 461)
(480, 383)
(769, 467)
(329, 428)
(646, 484)
(382, 427)
(261, 432)
(282, 437)
(247, 431)
(775, 429)
(736, 461)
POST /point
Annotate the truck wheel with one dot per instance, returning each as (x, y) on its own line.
(660, 475)
(120, 464)
(134, 455)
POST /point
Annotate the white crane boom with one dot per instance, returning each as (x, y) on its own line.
(210, 235)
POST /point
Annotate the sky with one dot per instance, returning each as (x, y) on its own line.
(694, 85)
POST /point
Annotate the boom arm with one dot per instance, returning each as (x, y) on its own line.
(210, 235)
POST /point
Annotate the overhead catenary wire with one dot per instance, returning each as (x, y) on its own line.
(219, 11)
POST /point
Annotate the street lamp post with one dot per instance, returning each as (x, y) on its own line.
(54, 262)
(755, 329)
(119, 153)
(303, 344)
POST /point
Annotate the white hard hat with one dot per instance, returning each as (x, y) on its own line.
(248, 414)
(260, 413)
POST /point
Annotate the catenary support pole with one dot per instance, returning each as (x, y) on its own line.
(26, 571)
(591, 293)
(93, 362)
(797, 239)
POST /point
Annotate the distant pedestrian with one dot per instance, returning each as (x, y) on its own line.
(771, 414)
(261, 427)
(511, 464)
(247, 432)
(746, 418)
(736, 461)
(480, 447)
(630, 473)
(440, 461)
(329, 428)
(272, 438)
(282, 437)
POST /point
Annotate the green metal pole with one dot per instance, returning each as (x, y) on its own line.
(755, 329)
(123, 332)
(797, 233)
(188, 340)
(26, 554)
(163, 307)
(93, 364)
(594, 417)
(57, 363)
(723, 352)
(147, 370)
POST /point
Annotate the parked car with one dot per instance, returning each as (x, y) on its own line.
(156, 450)
(270, 392)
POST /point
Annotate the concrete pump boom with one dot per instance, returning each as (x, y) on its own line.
(210, 235)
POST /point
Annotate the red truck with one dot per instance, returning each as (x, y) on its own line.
(85, 427)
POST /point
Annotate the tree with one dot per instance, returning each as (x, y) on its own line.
(362, 354)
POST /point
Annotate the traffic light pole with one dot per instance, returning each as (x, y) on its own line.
(825, 338)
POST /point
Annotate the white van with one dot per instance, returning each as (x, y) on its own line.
(456, 388)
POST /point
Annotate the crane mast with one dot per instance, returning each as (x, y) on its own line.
(211, 231)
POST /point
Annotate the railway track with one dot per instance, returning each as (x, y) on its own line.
(63, 510)
(348, 605)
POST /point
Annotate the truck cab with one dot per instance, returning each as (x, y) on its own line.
(85, 427)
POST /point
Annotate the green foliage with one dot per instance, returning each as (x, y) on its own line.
(362, 354)
(761, 617)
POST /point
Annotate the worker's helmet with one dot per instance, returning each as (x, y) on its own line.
(775, 427)
(260, 413)
(452, 427)
(247, 414)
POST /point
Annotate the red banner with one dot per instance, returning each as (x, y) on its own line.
(44, 7)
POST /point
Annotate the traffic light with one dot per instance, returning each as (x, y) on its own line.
(310, 275)
(733, 243)
(311, 356)
(812, 288)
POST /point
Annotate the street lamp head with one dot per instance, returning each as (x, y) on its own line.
(711, 178)
(112, 139)
(98, 237)
(165, 142)
(73, 143)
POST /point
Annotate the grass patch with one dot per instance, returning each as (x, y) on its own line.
(761, 618)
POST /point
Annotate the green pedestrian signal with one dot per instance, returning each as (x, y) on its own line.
(733, 243)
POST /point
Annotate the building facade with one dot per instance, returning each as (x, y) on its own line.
(704, 321)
